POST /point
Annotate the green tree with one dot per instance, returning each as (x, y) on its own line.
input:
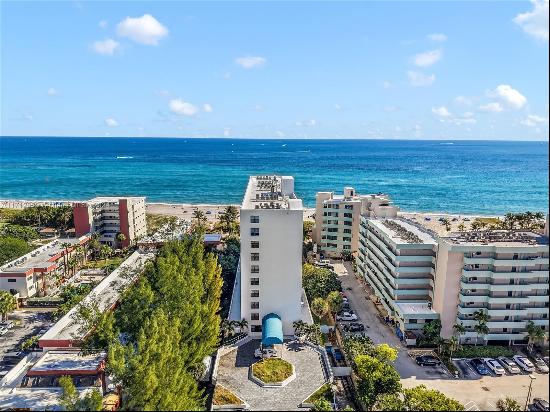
(335, 301)
(319, 282)
(228, 219)
(7, 304)
(481, 328)
(432, 330)
(322, 405)
(458, 330)
(376, 378)
(308, 228)
(385, 353)
(26, 233)
(461, 227)
(12, 248)
(104, 252)
(535, 334)
(508, 404)
(121, 238)
(71, 401)
(319, 307)
(418, 398)
(358, 345)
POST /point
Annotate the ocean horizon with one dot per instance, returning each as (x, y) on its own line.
(452, 176)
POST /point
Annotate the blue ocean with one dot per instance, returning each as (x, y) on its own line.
(484, 177)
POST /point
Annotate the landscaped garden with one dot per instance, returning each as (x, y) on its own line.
(223, 396)
(272, 370)
(324, 392)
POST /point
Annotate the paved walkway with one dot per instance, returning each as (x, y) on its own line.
(233, 374)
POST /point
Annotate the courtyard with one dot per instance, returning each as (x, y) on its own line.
(233, 374)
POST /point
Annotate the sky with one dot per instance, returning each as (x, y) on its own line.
(392, 70)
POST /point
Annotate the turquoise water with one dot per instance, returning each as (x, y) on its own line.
(459, 177)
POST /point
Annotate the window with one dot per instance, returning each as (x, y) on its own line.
(413, 321)
(348, 207)
(254, 219)
(256, 328)
(348, 223)
(349, 215)
(508, 306)
(12, 280)
(510, 293)
(254, 231)
(254, 281)
(346, 239)
(505, 329)
(254, 316)
(347, 231)
(254, 305)
(506, 317)
(346, 247)
(254, 244)
(254, 257)
(254, 269)
(255, 293)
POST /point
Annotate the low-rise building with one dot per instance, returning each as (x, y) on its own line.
(337, 219)
(34, 273)
(398, 260)
(111, 216)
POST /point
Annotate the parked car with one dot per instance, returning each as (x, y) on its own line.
(265, 353)
(509, 365)
(541, 366)
(356, 327)
(524, 363)
(427, 360)
(338, 355)
(3, 330)
(495, 366)
(346, 316)
(8, 324)
(540, 404)
(346, 307)
(479, 366)
(12, 358)
(545, 358)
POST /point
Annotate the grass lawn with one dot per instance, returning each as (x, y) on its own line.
(224, 396)
(483, 352)
(272, 370)
(102, 263)
(324, 392)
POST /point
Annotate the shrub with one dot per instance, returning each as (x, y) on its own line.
(483, 352)
(272, 370)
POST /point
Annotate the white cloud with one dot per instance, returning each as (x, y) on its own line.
(178, 106)
(491, 107)
(107, 47)
(418, 79)
(249, 62)
(307, 123)
(428, 58)
(438, 37)
(259, 108)
(207, 108)
(226, 131)
(53, 91)
(144, 30)
(534, 120)
(111, 122)
(28, 116)
(337, 106)
(510, 96)
(462, 101)
(387, 85)
(103, 24)
(441, 111)
(468, 115)
(279, 133)
(535, 22)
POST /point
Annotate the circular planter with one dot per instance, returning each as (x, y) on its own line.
(280, 384)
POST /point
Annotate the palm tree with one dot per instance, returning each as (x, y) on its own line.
(535, 334)
(65, 246)
(228, 218)
(7, 304)
(72, 265)
(454, 344)
(459, 329)
(120, 237)
(104, 252)
(461, 227)
(319, 307)
(299, 327)
(508, 404)
(199, 216)
(226, 328)
(243, 325)
(481, 327)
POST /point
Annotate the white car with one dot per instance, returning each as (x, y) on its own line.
(265, 353)
(541, 366)
(3, 330)
(7, 324)
(495, 366)
(524, 363)
(509, 365)
(346, 316)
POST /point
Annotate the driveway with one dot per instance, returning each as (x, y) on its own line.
(378, 331)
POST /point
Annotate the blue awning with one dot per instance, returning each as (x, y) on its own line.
(272, 330)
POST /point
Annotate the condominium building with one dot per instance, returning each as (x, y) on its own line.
(35, 273)
(503, 273)
(109, 216)
(271, 221)
(337, 219)
(398, 261)
(419, 275)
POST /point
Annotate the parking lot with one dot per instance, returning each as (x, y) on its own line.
(28, 322)
(482, 394)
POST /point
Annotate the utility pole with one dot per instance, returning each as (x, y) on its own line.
(532, 377)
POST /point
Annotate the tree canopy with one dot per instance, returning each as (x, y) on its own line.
(376, 378)
(11, 248)
(70, 399)
(319, 282)
(418, 398)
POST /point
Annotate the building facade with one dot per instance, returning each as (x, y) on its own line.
(109, 216)
(271, 227)
(398, 261)
(337, 219)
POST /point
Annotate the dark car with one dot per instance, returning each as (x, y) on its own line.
(356, 327)
(338, 355)
(428, 360)
(540, 404)
(479, 366)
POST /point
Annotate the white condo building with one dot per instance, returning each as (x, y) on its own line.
(271, 225)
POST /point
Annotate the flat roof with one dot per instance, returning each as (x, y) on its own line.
(41, 257)
(502, 238)
(425, 237)
(68, 361)
(105, 295)
(268, 192)
(415, 308)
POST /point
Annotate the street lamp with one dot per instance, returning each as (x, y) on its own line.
(532, 377)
